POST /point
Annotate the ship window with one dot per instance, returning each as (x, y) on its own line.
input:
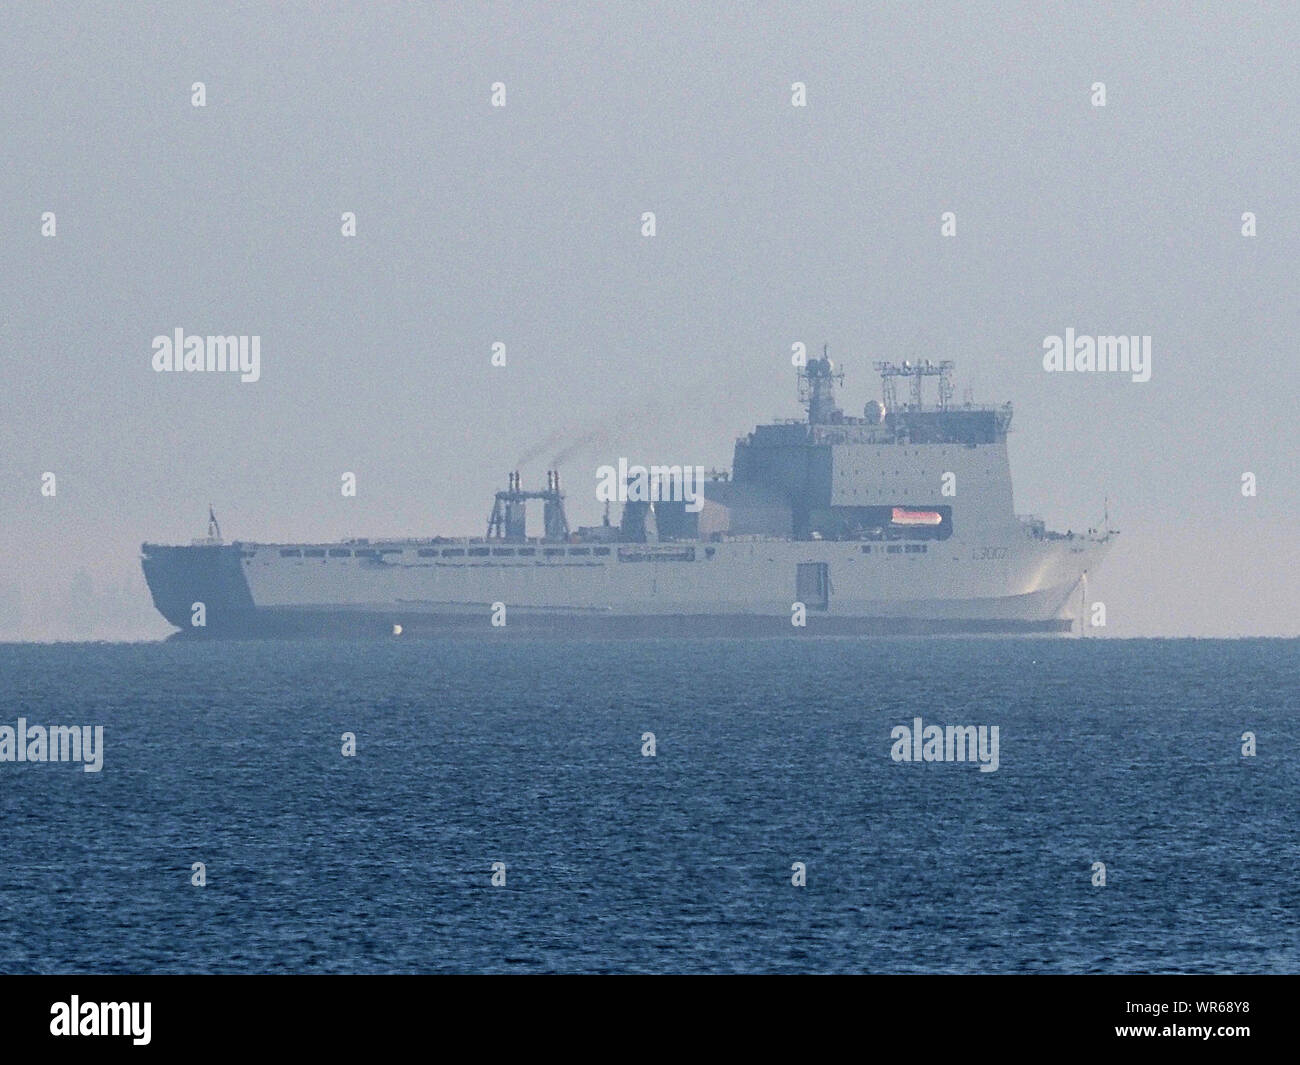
(866, 549)
(453, 552)
(915, 549)
(580, 550)
(315, 552)
(426, 552)
(687, 554)
(527, 552)
(478, 551)
(551, 551)
(367, 553)
(600, 550)
(340, 552)
(498, 551)
(390, 550)
(290, 552)
(894, 549)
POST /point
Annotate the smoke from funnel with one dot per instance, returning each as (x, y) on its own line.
(572, 441)
(537, 449)
(597, 438)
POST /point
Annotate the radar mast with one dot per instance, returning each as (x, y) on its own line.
(817, 381)
(915, 372)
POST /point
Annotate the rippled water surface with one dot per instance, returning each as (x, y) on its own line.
(769, 752)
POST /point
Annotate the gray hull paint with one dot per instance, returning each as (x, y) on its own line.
(180, 576)
(298, 624)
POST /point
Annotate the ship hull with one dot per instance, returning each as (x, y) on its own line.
(760, 588)
(310, 624)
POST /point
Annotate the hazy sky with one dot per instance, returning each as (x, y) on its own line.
(522, 224)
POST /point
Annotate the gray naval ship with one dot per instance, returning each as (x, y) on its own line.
(897, 522)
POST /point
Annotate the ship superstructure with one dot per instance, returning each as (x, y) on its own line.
(898, 521)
